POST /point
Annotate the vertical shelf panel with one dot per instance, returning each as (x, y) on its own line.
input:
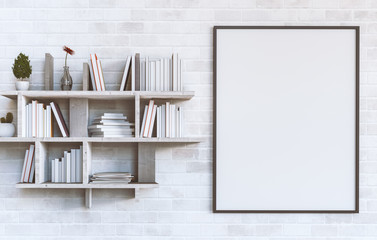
(40, 155)
(146, 162)
(78, 117)
(21, 117)
(87, 161)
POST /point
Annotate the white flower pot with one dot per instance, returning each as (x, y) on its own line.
(22, 85)
(7, 130)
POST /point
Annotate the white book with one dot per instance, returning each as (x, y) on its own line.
(114, 115)
(73, 165)
(147, 74)
(49, 121)
(92, 75)
(24, 117)
(158, 75)
(100, 73)
(161, 74)
(170, 74)
(60, 124)
(79, 169)
(153, 75)
(29, 163)
(52, 163)
(177, 122)
(180, 122)
(56, 170)
(30, 114)
(133, 65)
(142, 74)
(32, 170)
(148, 119)
(24, 166)
(167, 120)
(158, 122)
(44, 123)
(67, 167)
(110, 135)
(154, 113)
(172, 120)
(180, 75)
(34, 118)
(64, 167)
(163, 121)
(125, 74)
(143, 123)
(60, 165)
(40, 120)
(95, 72)
(26, 122)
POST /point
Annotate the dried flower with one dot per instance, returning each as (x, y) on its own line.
(68, 51)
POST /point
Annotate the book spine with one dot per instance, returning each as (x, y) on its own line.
(133, 65)
(154, 112)
(24, 166)
(148, 119)
(163, 121)
(29, 163)
(56, 170)
(32, 170)
(91, 73)
(167, 120)
(144, 118)
(95, 72)
(64, 167)
(137, 72)
(60, 170)
(68, 168)
(73, 165)
(52, 162)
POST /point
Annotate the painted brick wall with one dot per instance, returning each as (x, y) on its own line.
(181, 207)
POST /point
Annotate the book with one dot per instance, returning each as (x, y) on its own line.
(125, 74)
(67, 155)
(137, 72)
(100, 80)
(94, 68)
(73, 165)
(133, 73)
(92, 76)
(143, 123)
(27, 176)
(64, 167)
(34, 118)
(52, 163)
(59, 118)
(154, 112)
(79, 164)
(100, 73)
(148, 118)
(167, 118)
(60, 175)
(56, 168)
(163, 121)
(24, 166)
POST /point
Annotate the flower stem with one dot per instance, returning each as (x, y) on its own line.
(66, 55)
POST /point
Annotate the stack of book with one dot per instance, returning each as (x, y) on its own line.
(168, 124)
(152, 74)
(38, 120)
(67, 169)
(111, 125)
(27, 174)
(111, 177)
(96, 73)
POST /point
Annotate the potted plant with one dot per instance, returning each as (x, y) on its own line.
(7, 128)
(22, 71)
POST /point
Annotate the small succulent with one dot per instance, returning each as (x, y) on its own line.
(7, 119)
(21, 67)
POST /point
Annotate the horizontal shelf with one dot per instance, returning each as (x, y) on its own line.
(95, 139)
(99, 94)
(88, 186)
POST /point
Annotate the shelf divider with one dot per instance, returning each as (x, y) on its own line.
(78, 117)
(146, 162)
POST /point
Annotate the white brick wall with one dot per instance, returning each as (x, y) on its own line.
(181, 208)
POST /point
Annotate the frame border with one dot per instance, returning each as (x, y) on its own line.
(357, 82)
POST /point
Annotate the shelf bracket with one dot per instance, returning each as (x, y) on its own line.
(88, 197)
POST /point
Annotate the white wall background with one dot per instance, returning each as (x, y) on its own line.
(182, 207)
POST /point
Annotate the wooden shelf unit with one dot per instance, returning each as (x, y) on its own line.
(78, 109)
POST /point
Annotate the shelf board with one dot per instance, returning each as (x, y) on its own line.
(97, 139)
(99, 95)
(88, 186)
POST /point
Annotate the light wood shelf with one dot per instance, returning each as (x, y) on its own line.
(78, 109)
(97, 139)
(106, 95)
(133, 185)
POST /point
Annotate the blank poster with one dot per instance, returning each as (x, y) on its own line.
(286, 119)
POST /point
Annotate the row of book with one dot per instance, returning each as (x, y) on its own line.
(67, 169)
(27, 173)
(168, 124)
(38, 120)
(111, 177)
(96, 73)
(111, 125)
(152, 74)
